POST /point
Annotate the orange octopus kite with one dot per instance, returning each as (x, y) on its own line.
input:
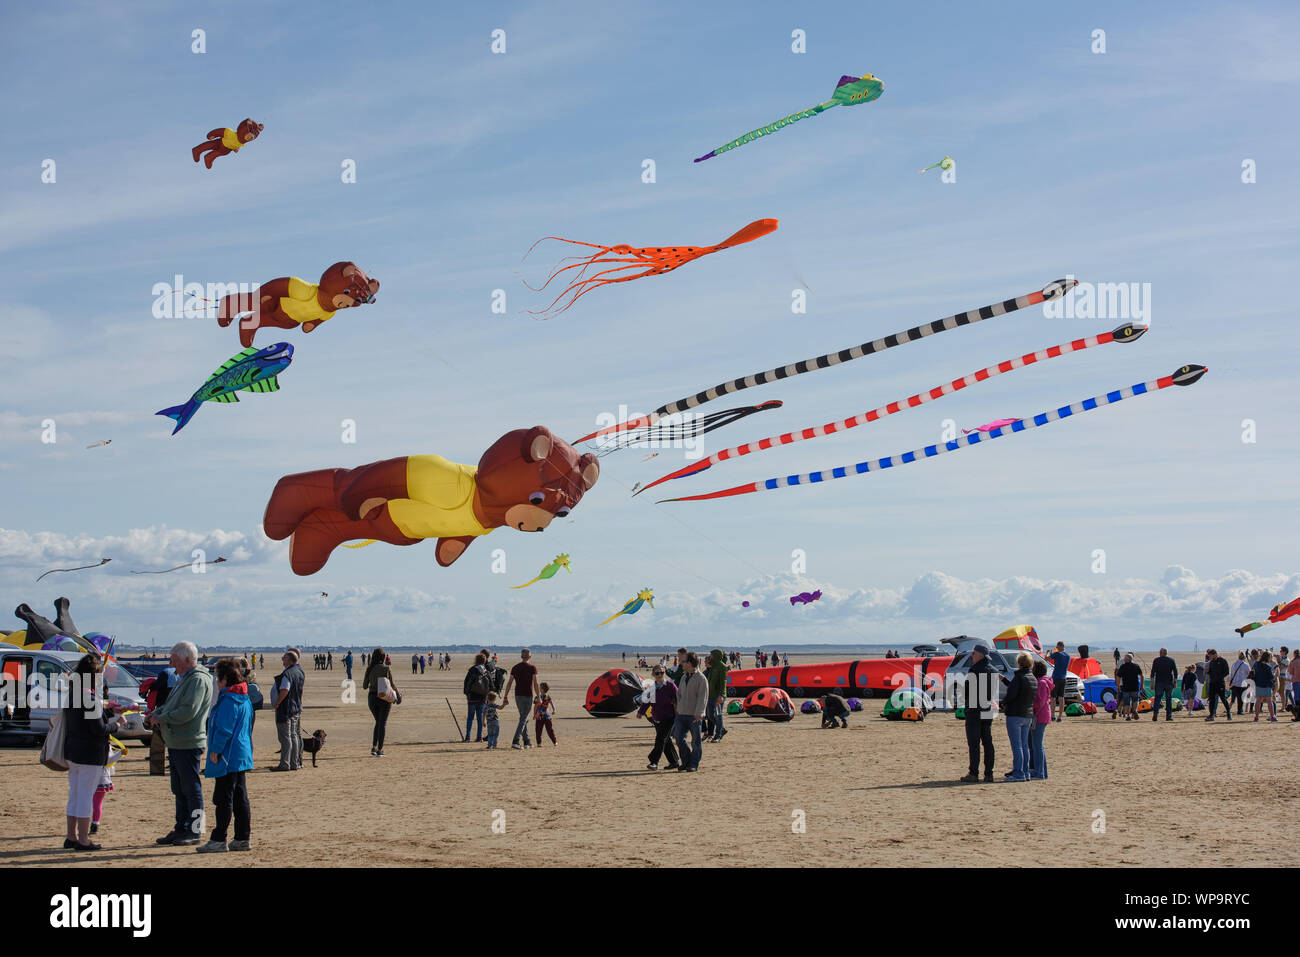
(656, 261)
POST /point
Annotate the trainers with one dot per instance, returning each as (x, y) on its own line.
(169, 838)
(94, 827)
(652, 766)
(241, 845)
(988, 779)
(213, 847)
(516, 747)
(970, 779)
(527, 746)
(183, 841)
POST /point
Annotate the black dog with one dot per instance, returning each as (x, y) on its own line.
(313, 745)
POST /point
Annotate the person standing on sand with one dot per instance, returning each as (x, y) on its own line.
(88, 720)
(1239, 678)
(1164, 675)
(717, 693)
(544, 713)
(977, 703)
(1116, 657)
(1129, 676)
(182, 720)
(678, 671)
(1293, 675)
(1018, 708)
(230, 756)
(1060, 668)
(523, 678)
(661, 700)
(380, 708)
(1189, 688)
(288, 712)
(1042, 718)
(476, 686)
(1216, 674)
(1264, 686)
(692, 700)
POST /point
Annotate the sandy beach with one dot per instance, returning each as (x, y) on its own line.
(879, 792)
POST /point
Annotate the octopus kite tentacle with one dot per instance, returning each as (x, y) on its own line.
(102, 561)
(1053, 290)
(638, 262)
(1128, 332)
(1185, 375)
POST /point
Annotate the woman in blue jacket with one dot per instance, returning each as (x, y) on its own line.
(230, 754)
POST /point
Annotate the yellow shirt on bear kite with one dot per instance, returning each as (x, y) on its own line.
(301, 304)
(442, 499)
(230, 140)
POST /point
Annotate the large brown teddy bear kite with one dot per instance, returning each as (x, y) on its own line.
(223, 141)
(527, 478)
(289, 301)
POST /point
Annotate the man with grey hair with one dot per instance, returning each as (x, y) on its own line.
(523, 678)
(182, 721)
(288, 712)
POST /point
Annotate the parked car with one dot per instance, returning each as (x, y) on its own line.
(51, 670)
(1002, 662)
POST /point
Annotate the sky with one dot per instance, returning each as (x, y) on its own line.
(1166, 514)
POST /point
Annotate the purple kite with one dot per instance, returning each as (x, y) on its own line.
(805, 597)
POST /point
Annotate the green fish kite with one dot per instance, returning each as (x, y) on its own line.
(253, 370)
(561, 561)
(849, 91)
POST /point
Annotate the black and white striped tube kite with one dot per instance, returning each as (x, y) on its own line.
(1053, 290)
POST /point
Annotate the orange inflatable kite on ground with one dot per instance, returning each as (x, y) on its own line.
(771, 703)
(630, 263)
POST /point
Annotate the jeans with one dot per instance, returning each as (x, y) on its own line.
(681, 725)
(715, 715)
(1036, 753)
(980, 732)
(288, 730)
(231, 793)
(1166, 692)
(493, 732)
(664, 743)
(380, 709)
(525, 706)
(188, 788)
(475, 710)
(1018, 732)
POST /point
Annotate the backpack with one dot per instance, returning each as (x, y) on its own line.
(480, 684)
(498, 679)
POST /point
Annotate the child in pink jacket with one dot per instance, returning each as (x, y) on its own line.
(1042, 718)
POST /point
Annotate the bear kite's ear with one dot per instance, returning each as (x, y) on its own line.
(589, 466)
(538, 443)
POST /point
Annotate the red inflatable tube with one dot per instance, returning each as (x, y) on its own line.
(866, 677)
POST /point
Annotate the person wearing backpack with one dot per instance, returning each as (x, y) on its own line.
(477, 684)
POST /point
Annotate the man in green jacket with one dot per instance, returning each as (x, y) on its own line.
(717, 692)
(182, 720)
(675, 674)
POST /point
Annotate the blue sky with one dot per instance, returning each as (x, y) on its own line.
(1115, 167)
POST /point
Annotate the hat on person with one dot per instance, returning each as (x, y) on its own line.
(982, 649)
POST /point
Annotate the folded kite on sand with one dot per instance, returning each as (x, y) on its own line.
(630, 263)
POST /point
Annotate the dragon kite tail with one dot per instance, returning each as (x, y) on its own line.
(527, 583)
(1053, 290)
(1185, 375)
(765, 130)
(1128, 332)
(611, 617)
